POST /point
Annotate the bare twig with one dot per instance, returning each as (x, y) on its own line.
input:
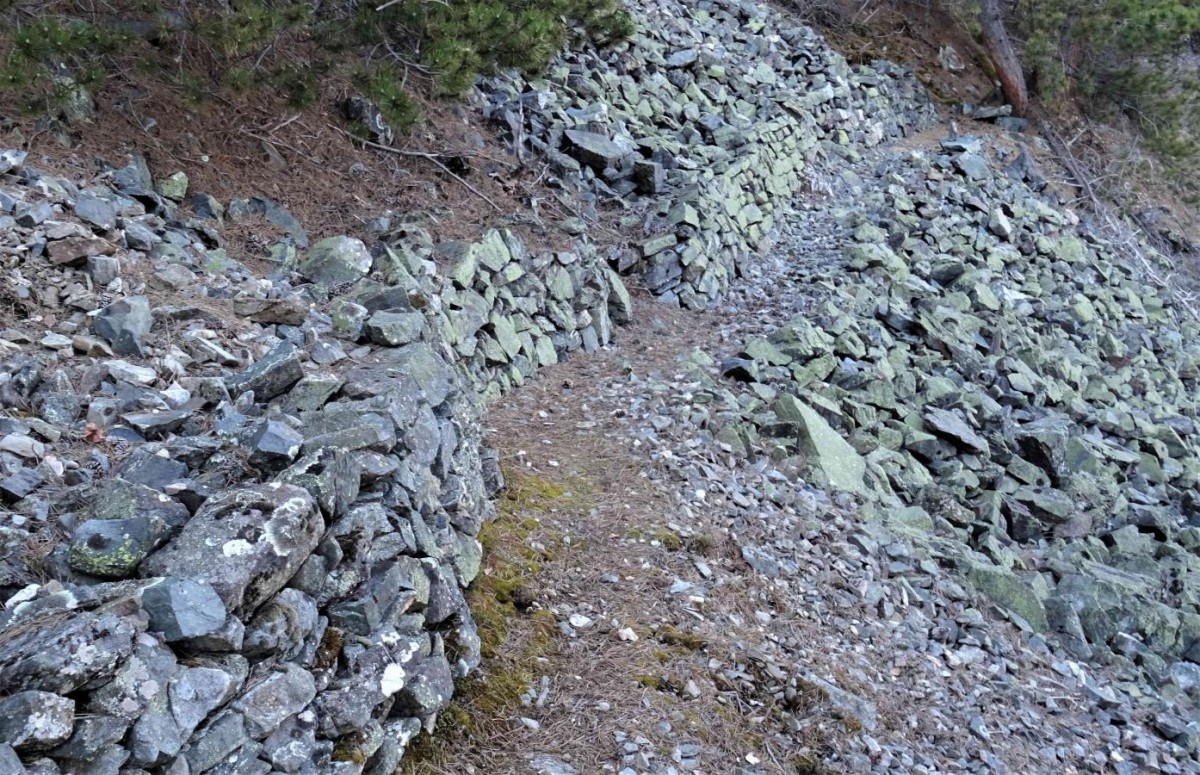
(422, 155)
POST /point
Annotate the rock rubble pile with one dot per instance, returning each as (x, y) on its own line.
(241, 511)
(1005, 392)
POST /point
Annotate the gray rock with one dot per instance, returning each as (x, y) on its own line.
(348, 319)
(825, 449)
(208, 207)
(273, 445)
(113, 548)
(182, 608)
(119, 499)
(106, 761)
(152, 470)
(272, 376)
(92, 734)
(197, 692)
(134, 178)
(330, 476)
(98, 212)
(174, 186)
(59, 654)
(279, 694)
(36, 721)
(30, 215)
(11, 159)
(220, 737)
(974, 166)
(21, 484)
(154, 425)
(293, 746)
(103, 269)
(124, 324)
(394, 329)
(594, 150)
(427, 690)
(10, 762)
(139, 687)
(227, 639)
(952, 425)
(246, 543)
(282, 625)
(336, 260)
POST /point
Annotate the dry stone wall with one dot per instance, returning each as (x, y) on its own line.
(703, 126)
(241, 511)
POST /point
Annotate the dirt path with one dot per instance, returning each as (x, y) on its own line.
(652, 604)
(576, 605)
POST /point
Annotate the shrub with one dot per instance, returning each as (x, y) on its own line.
(1123, 58)
(288, 45)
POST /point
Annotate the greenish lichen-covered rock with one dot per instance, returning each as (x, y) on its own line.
(1008, 590)
(113, 548)
(335, 260)
(824, 448)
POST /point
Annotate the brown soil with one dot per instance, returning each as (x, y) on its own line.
(609, 519)
(330, 183)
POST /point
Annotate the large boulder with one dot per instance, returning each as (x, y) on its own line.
(825, 449)
(246, 543)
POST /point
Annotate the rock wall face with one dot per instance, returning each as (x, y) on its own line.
(703, 125)
(252, 548)
(241, 510)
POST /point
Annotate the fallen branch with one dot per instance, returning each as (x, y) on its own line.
(422, 155)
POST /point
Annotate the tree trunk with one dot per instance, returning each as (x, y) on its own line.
(1004, 56)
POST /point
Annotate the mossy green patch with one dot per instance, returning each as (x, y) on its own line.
(516, 639)
(688, 640)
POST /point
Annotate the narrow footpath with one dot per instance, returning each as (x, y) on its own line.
(652, 602)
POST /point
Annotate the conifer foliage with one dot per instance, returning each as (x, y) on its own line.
(1131, 58)
(48, 49)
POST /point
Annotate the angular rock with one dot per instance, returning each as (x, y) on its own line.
(278, 695)
(36, 721)
(825, 449)
(272, 376)
(427, 689)
(394, 329)
(1007, 590)
(246, 543)
(336, 260)
(20, 485)
(183, 608)
(93, 733)
(594, 150)
(98, 212)
(59, 654)
(274, 445)
(113, 548)
(952, 425)
(124, 324)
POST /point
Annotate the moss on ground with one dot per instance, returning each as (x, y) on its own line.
(687, 640)
(515, 638)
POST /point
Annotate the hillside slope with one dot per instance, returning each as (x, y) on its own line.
(886, 464)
